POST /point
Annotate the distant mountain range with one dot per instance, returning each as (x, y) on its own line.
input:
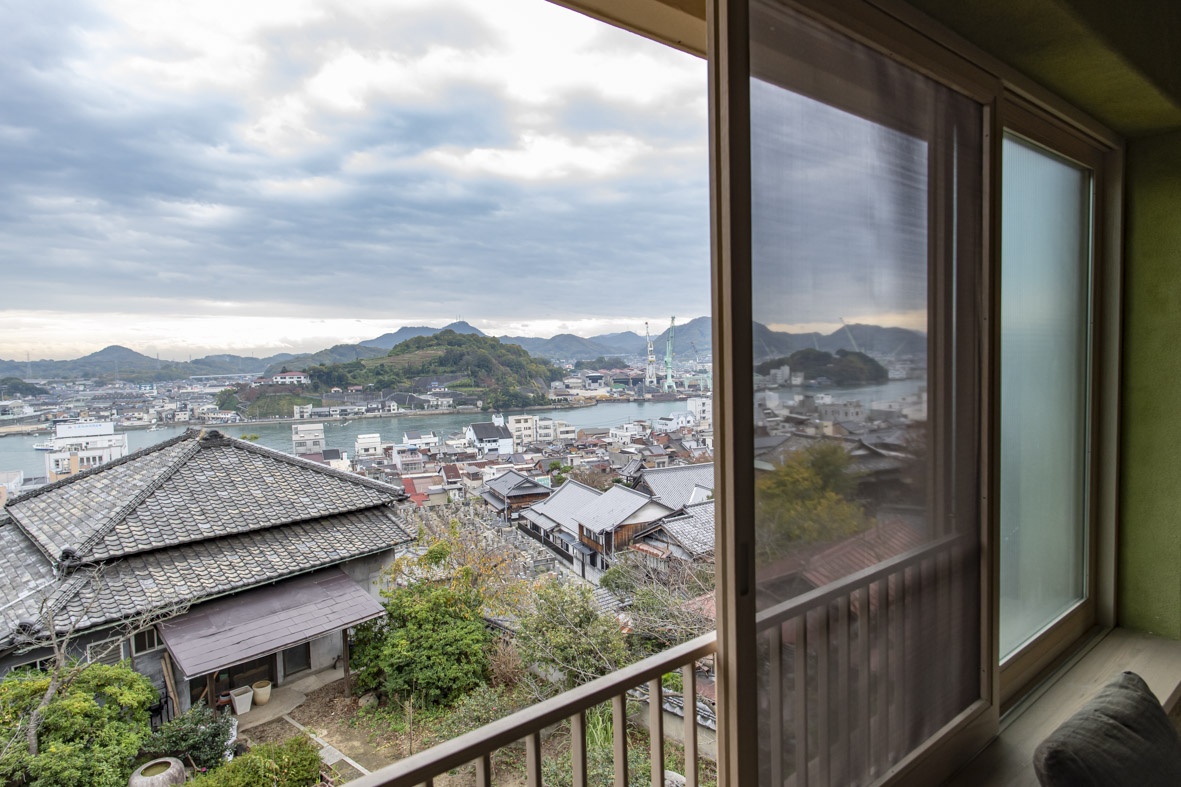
(692, 339)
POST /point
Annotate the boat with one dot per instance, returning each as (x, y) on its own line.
(43, 446)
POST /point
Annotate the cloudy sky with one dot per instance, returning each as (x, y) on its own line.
(248, 176)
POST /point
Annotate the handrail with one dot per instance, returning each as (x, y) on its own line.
(427, 764)
(794, 607)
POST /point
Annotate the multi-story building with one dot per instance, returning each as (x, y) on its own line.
(82, 446)
(307, 439)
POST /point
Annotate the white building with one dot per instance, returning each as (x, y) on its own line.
(417, 440)
(82, 446)
(623, 434)
(307, 439)
(674, 421)
(367, 446)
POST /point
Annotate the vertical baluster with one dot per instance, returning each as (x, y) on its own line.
(578, 749)
(956, 629)
(898, 666)
(823, 697)
(801, 699)
(656, 731)
(484, 771)
(689, 684)
(775, 701)
(881, 742)
(619, 733)
(865, 685)
(945, 667)
(844, 708)
(533, 759)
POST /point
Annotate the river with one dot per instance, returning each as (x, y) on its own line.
(17, 453)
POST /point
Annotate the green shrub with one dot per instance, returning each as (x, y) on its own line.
(292, 763)
(202, 734)
(89, 733)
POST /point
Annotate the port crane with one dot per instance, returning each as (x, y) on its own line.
(669, 385)
(650, 373)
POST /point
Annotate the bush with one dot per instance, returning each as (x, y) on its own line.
(202, 734)
(293, 763)
(89, 734)
(430, 647)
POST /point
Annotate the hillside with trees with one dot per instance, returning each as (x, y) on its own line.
(843, 368)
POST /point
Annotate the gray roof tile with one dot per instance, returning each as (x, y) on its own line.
(187, 489)
(674, 486)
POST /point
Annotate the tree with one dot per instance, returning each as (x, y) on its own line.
(201, 735)
(662, 604)
(429, 648)
(227, 399)
(595, 479)
(86, 734)
(564, 634)
(806, 499)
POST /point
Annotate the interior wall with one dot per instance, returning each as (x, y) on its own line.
(1150, 515)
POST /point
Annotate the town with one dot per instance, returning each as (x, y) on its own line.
(360, 498)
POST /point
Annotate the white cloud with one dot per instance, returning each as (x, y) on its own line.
(538, 157)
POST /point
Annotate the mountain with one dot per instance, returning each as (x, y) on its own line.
(623, 343)
(122, 362)
(463, 327)
(340, 353)
(564, 346)
(387, 341)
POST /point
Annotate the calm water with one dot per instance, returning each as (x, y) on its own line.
(16, 452)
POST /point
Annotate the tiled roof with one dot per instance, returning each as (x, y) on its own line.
(613, 507)
(185, 490)
(562, 507)
(486, 430)
(693, 530)
(182, 575)
(673, 486)
(26, 579)
(512, 483)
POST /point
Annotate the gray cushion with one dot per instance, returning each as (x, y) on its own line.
(1121, 736)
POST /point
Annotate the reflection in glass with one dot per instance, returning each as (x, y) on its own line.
(1045, 259)
(865, 199)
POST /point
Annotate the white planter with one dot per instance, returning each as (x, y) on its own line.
(242, 698)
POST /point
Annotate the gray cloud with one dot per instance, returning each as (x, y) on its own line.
(123, 194)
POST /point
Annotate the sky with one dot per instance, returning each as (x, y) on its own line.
(283, 175)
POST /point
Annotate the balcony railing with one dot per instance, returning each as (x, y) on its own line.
(868, 643)
(477, 746)
(861, 671)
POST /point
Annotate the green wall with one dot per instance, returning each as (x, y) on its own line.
(1150, 515)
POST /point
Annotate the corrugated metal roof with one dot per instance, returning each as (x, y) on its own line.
(233, 630)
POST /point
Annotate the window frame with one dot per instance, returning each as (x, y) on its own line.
(903, 33)
(1051, 647)
(133, 640)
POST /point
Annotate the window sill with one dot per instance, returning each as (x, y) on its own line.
(1008, 759)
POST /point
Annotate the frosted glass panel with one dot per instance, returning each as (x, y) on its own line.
(1044, 314)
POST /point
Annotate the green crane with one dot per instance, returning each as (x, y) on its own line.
(669, 385)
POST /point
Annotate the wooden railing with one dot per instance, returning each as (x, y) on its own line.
(861, 671)
(879, 650)
(477, 747)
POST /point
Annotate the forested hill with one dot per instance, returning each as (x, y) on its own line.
(843, 368)
(502, 374)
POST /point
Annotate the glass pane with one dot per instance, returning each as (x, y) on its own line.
(1045, 263)
(865, 199)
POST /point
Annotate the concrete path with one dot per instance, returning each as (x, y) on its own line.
(328, 753)
(287, 698)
